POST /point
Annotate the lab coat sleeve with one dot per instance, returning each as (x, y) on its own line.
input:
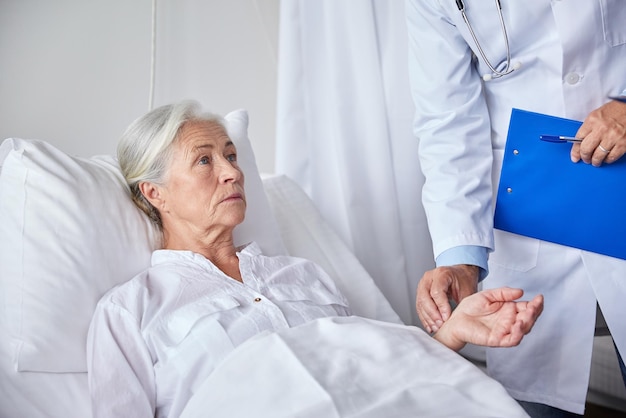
(120, 369)
(452, 126)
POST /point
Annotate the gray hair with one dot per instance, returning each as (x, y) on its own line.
(145, 149)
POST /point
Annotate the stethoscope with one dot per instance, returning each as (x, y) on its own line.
(508, 68)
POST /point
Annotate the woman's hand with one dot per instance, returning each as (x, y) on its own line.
(604, 135)
(491, 318)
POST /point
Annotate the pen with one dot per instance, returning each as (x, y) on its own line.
(558, 138)
(618, 98)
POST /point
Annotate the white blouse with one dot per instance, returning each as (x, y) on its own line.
(154, 339)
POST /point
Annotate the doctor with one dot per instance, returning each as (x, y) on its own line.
(471, 62)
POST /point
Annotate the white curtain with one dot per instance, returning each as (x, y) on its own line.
(344, 133)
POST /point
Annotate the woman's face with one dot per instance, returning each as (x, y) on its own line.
(204, 185)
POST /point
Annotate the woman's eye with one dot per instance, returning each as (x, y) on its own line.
(204, 160)
(232, 158)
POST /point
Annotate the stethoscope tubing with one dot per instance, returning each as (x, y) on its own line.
(507, 68)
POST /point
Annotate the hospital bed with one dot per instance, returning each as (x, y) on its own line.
(70, 232)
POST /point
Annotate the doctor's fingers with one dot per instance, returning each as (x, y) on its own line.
(612, 152)
(602, 151)
(428, 313)
(431, 301)
(604, 135)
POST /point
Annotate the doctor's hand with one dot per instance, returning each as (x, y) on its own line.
(604, 135)
(437, 287)
(491, 318)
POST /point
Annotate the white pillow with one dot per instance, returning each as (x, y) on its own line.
(70, 232)
(260, 224)
(306, 234)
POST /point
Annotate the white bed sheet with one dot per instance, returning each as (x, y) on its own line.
(349, 367)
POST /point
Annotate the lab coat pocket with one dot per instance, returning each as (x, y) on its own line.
(614, 21)
(514, 252)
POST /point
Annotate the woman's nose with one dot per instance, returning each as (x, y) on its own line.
(228, 171)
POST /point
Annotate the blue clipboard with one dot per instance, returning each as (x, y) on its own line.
(543, 195)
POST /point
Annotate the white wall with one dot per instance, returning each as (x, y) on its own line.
(77, 72)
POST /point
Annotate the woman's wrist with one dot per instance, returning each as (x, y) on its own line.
(446, 336)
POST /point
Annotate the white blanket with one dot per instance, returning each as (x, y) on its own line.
(348, 367)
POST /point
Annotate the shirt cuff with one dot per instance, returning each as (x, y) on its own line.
(465, 254)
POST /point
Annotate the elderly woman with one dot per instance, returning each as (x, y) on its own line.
(155, 338)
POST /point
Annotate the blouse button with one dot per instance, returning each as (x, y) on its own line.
(572, 78)
(257, 299)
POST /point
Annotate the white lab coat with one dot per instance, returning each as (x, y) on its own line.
(572, 55)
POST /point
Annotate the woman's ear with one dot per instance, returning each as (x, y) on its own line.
(152, 193)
